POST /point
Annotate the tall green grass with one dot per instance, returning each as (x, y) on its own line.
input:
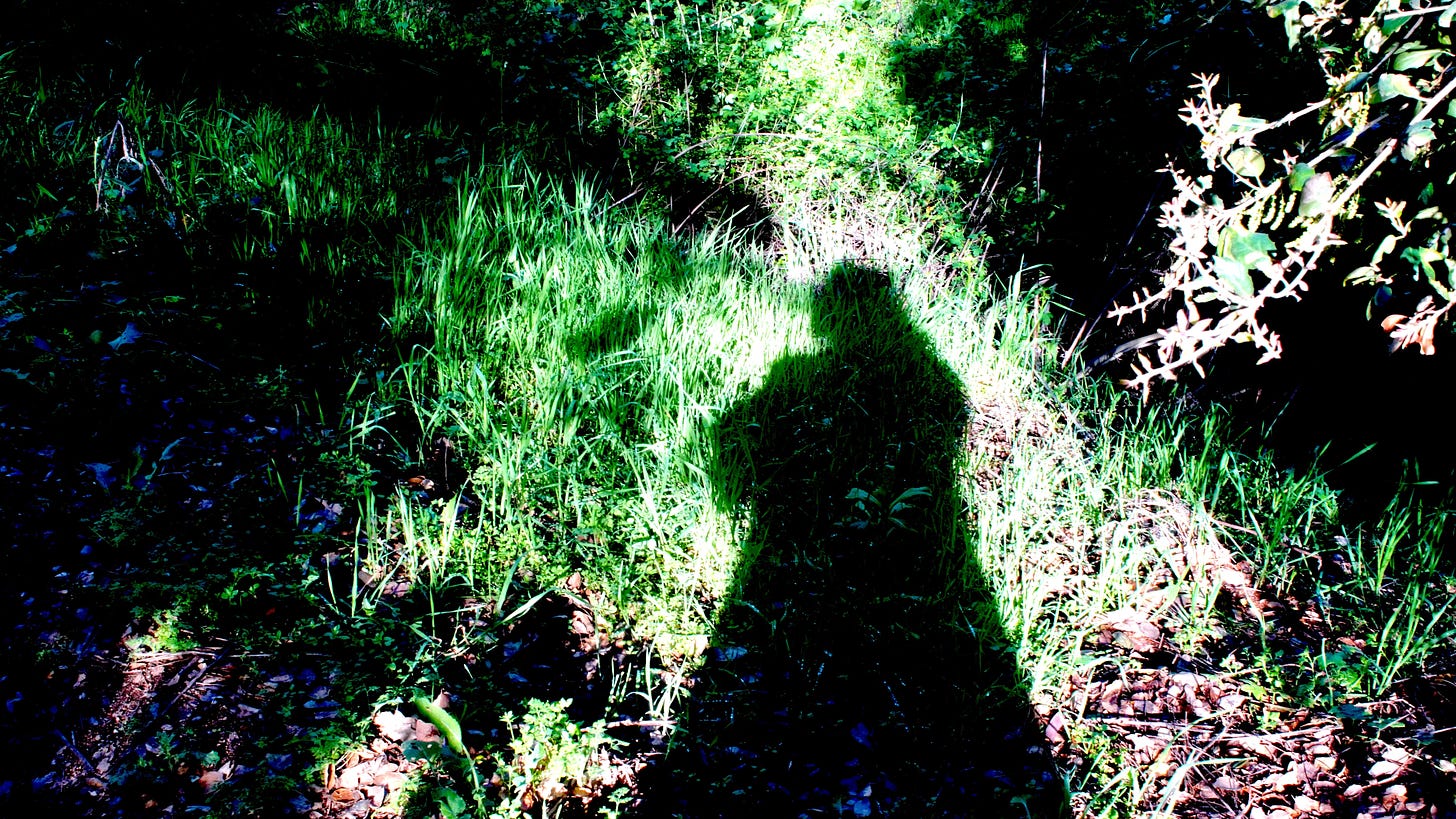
(578, 356)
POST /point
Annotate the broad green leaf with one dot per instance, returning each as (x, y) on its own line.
(1248, 249)
(1390, 86)
(441, 719)
(451, 804)
(1300, 175)
(1292, 25)
(1246, 161)
(1417, 137)
(1426, 258)
(1444, 21)
(1416, 58)
(1234, 275)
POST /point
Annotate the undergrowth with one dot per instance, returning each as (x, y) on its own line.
(519, 383)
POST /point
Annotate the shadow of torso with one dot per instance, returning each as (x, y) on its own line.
(859, 668)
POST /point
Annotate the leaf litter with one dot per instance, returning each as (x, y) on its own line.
(1203, 745)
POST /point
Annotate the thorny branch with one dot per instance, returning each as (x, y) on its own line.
(1229, 259)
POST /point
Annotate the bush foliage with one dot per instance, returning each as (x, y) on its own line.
(1351, 182)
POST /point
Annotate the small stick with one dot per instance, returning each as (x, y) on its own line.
(85, 760)
(202, 672)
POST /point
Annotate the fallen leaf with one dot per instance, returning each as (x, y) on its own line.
(394, 726)
(1227, 784)
(425, 731)
(1396, 755)
(392, 781)
(353, 778)
(1383, 768)
(129, 335)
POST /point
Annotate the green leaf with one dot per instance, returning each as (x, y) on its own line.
(1246, 161)
(1248, 249)
(1300, 175)
(1390, 86)
(1417, 137)
(1416, 58)
(1292, 25)
(441, 719)
(451, 804)
(1234, 275)
(1426, 258)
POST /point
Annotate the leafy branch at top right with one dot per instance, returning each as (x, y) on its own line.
(1276, 196)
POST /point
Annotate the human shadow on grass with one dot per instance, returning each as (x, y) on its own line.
(860, 668)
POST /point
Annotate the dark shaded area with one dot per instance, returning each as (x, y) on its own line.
(172, 380)
(844, 677)
(1113, 82)
(1084, 102)
(151, 404)
(488, 73)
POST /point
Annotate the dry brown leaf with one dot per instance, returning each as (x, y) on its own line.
(425, 731)
(394, 726)
(392, 780)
